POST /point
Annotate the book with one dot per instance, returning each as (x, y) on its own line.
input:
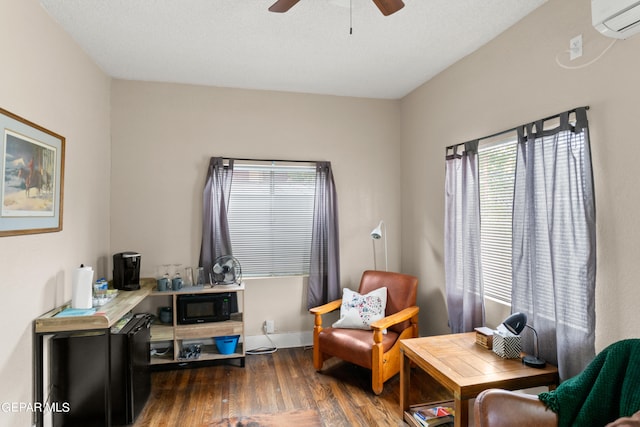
(436, 416)
(484, 337)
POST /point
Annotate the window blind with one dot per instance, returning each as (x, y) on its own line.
(271, 216)
(497, 163)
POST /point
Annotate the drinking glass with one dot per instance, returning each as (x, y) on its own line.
(200, 277)
(188, 276)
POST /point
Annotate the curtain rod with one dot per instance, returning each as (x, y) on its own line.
(516, 128)
(272, 160)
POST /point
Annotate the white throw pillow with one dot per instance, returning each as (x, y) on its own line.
(359, 311)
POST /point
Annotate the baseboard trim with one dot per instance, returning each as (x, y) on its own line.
(286, 340)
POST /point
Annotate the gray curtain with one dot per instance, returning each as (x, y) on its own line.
(554, 241)
(324, 270)
(215, 204)
(463, 278)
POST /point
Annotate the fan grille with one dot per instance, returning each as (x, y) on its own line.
(226, 271)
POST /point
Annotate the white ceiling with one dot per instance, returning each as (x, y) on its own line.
(240, 44)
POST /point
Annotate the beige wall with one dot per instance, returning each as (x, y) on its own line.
(164, 134)
(510, 81)
(48, 80)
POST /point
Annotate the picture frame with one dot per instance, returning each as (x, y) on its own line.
(32, 170)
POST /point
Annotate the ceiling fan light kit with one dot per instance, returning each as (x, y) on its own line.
(387, 7)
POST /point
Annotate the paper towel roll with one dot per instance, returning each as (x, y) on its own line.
(82, 280)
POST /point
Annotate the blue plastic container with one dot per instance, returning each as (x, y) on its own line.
(227, 345)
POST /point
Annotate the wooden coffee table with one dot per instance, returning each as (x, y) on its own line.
(466, 369)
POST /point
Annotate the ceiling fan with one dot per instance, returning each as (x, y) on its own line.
(387, 7)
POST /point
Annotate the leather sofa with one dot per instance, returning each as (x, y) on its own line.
(503, 408)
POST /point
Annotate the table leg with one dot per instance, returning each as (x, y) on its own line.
(107, 383)
(461, 408)
(405, 379)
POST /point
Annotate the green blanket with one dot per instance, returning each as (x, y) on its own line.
(607, 389)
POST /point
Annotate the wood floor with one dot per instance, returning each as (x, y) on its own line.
(278, 390)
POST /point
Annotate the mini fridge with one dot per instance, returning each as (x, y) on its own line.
(80, 375)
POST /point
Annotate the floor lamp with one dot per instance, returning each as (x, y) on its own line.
(377, 234)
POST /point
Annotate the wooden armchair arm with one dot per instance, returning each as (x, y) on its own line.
(396, 318)
(326, 308)
(323, 309)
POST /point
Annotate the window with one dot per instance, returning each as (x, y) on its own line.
(271, 216)
(497, 164)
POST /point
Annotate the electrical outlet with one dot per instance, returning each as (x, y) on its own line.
(269, 326)
(575, 47)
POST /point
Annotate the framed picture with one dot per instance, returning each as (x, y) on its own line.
(32, 169)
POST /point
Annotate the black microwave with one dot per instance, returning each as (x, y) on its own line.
(202, 308)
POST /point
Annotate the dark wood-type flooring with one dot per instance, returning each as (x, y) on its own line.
(279, 390)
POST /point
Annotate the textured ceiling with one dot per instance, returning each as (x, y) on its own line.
(310, 49)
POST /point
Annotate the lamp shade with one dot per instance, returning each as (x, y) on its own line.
(376, 233)
(515, 323)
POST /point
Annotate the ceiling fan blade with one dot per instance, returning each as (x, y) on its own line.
(282, 6)
(387, 7)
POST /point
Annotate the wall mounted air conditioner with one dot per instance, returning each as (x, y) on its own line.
(619, 19)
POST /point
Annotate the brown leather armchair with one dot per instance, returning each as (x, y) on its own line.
(503, 408)
(371, 349)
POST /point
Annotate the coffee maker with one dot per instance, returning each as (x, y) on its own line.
(126, 271)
